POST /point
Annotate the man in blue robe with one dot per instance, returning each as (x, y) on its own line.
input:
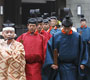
(52, 30)
(53, 24)
(85, 33)
(84, 30)
(72, 55)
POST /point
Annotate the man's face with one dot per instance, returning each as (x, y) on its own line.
(83, 23)
(8, 34)
(67, 29)
(45, 26)
(31, 27)
(39, 27)
(53, 22)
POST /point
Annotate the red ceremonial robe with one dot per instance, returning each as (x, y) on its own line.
(35, 50)
(46, 34)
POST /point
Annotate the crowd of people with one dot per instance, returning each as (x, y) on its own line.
(49, 50)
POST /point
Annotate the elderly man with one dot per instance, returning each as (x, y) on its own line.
(12, 55)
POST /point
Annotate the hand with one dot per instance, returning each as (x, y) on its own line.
(82, 67)
(89, 42)
(54, 66)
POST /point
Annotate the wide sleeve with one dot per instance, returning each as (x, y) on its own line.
(19, 53)
(16, 61)
(49, 36)
(84, 56)
(48, 73)
(49, 53)
(83, 59)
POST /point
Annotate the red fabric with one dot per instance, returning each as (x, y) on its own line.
(33, 71)
(46, 34)
(42, 30)
(83, 26)
(36, 32)
(35, 51)
(49, 29)
(55, 27)
(65, 32)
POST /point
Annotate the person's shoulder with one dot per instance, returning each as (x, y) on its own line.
(18, 43)
(24, 34)
(46, 32)
(76, 34)
(1, 40)
(88, 27)
(42, 37)
(78, 28)
(58, 33)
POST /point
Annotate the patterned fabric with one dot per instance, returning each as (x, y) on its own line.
(12, 61)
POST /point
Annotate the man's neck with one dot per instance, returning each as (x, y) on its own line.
(9, 41)
(39, 31)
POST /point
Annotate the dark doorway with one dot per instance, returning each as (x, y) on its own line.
(49, 7)
(12, 11)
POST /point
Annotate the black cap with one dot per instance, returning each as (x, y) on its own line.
(45, 15)
(37, 12)
(39, 19)
(45, 21)
(64, 12)
(67, 22)
(38, 15)
(32, 21)
(8, 23)
(53, 15)
(32, 13)
(82, 18)
(42, 16)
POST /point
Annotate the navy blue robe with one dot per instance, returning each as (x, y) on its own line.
(44, 74)
(85, 33)
(86, 37)
(53, 31)
(71, 55)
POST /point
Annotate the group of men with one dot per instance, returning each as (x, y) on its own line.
(45, 52)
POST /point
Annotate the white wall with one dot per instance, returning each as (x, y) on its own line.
(85, 5)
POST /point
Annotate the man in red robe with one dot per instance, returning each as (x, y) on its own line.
(46, 20)
(35, 49)
(41, 30)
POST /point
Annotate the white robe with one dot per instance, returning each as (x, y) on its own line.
(12, 61)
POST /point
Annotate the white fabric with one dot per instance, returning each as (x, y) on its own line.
(0, 33)
(8, 28)
(73, 28)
